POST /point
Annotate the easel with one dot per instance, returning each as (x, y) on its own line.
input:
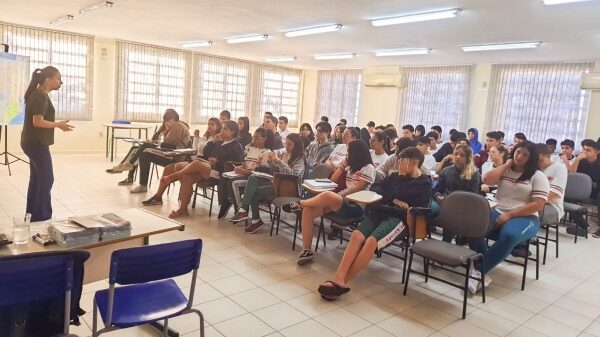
(6, 154)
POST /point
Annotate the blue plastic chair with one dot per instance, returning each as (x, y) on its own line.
(149, 294)
(37, 278)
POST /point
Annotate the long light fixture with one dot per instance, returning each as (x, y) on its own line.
(445, 14)
(339, 56)
(96, 8)
(281, 59)
(502, 46)
(402, 52)
(560, 2)
(62, 20)
(313, 30)
(247, 38)
(194, 44)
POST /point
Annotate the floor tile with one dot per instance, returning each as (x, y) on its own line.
(342, 322)
(286, 289)
(280, 316)
(246, 325)
(400, 325)
(308, 328)
(462, 328)
(551, 327)
(232, 285)
(254, 299)
(220, 310)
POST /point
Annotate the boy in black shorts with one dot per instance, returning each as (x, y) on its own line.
(384, 222)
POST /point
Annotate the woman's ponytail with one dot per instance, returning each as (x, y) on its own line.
(38, 77)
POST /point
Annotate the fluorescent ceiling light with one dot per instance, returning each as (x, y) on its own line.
(96, 8)
(446, 14)
(402, 52)
(502, 46)
(560, 2)
(194, 44)
(281, 59)
(313, 30)
(62, 19)
(247, 38)
(335, 56)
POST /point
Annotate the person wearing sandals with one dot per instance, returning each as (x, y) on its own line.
(226, 149)
(384, 222)
(360, 174)
(290, 161)
(256, 154)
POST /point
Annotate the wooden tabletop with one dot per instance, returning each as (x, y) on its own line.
(143, 224)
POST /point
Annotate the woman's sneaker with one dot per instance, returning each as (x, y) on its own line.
(239, 216)
(152, 202)
(254, 227)
(126, 182)
(292, 207)
(474, 284)
(124, 166)
(306, 256)
(139, 189)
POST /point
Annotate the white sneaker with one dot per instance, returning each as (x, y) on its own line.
(474, 284)
(124, 166)
(139, 189)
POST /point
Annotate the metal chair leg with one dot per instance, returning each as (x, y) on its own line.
(408, 272)
(525, 266)
(465, 290)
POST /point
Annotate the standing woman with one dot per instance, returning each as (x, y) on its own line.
(36, 138)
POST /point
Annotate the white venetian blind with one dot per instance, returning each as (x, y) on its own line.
(338, 94)
(150, 80)
(71, 54)
(435, 96)
(541, 100)
(279, 92)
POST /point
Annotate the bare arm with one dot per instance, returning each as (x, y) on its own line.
(40, 122)
(493, 176)
(440, 166)
(360, 186)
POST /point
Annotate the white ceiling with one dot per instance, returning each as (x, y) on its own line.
(570, 32)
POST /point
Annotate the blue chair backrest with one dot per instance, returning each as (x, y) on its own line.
(155, 262)
(34, 279)
(121, 121)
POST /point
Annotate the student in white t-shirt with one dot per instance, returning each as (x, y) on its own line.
(522, 192)
(341, 150)
(497, 156)
(360, 174)
(429, 163)
(557, 177)
(378, 151)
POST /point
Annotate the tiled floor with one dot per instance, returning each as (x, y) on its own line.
(249, 285)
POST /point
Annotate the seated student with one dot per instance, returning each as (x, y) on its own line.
(212, 131)
(267, 114)
(448, 147)
(433, 142)
(340, 152)
(457, 138)
(255, 154)
(522, 193)
(177, 136)
(588, 163)
(282, 129)
(492, 138)
(290, 161)
(365, 136)
(429, 163)
(224, 116)
(306, 132)
(551, 143)
(360, 174)
(371, 127)
(343, 121)
(216, 153)
(498, 154)
(384, 222)
(408, 131)
(392, 137)
(321, 148)
(325, 119)
(557, 177)
(245, 137)
(270, 123)
(378, 150)
(473, 137)
(501, 134)
(419, 131)
(566, 156)
(390, 165)
(519, 138)
(462, 175)
(438, 130)
(338, 131)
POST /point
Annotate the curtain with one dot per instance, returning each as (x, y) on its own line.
(72, 54)
(150, 80)
(435, 96)
(541, 100)
(338, 94)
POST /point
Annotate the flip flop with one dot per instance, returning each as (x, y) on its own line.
(329, 298)
(334, 290)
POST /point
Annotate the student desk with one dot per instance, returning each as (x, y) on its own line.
(113, 126)
(143, 225)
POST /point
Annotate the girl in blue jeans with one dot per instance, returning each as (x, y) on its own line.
(522, 193)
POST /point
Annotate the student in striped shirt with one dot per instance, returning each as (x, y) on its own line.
(522, 192)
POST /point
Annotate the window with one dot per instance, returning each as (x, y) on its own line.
(435, 96)
(541, 100)
(281, 93)
(338, 93)
(149, 81)
(71, 54)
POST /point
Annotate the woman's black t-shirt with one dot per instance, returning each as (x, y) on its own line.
(38, 103)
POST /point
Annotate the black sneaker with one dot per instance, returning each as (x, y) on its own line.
(254, 227)
(306, 256)
(577, 231)
(596, 234)
(224, 210)
(152, 202)
(334, 234)
(292, 207)
(520, 251)
(125, 182)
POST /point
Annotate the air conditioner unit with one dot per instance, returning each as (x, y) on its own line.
(590, 81)
(384, 81)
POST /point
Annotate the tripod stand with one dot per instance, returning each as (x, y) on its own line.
(9, 158)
